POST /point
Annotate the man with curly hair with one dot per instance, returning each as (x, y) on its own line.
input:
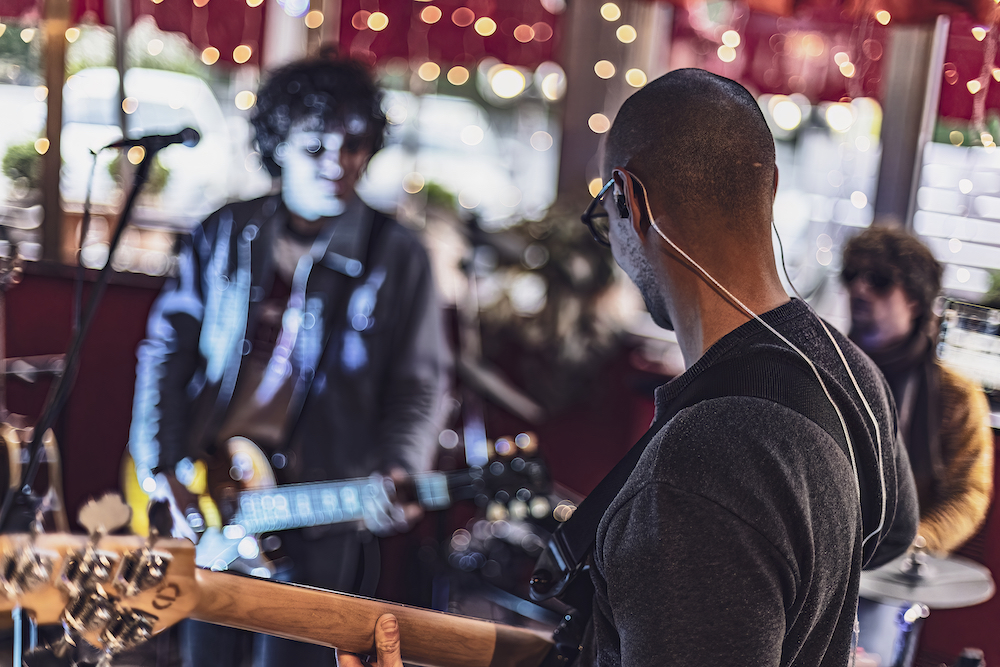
(306, 322)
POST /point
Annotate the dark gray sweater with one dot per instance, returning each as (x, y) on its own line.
(737, 540)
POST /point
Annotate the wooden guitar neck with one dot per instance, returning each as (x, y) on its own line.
(302, 613)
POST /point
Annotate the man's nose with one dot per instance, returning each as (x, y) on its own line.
(330, 165)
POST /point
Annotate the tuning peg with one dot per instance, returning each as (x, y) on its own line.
(127, 630)
(106, 515)
(141, 570)
(24, 569)
(88, 612)
(85, 568)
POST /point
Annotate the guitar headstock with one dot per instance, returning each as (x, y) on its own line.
(114, 592)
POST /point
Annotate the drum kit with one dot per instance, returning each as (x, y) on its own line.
(898, 596)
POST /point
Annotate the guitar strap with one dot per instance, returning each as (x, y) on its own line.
(780, 376)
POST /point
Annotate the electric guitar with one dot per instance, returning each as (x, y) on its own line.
(240, 501)
(114, 592)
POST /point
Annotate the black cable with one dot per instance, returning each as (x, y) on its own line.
(84, 228)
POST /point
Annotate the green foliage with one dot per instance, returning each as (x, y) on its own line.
(19, 60)
(158, 175)
(992, 298)
(22, 161)
(438, 195)
(970, 135)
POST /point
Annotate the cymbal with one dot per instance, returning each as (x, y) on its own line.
(939, 583)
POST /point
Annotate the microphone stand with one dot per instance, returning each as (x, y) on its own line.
(22, 497)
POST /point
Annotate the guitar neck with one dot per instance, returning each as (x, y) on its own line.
(323, 503)
(301, 613)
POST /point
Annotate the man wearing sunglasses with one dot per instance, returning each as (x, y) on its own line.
(893, 280)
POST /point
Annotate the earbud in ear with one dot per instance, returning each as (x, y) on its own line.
(622, 208)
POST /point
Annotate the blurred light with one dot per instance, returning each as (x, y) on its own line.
(200, 3)
(599, 123)
(883, 17)
(963, 275)
(507, 82)
(413, 183)
(250, 3)
(987, 139)
(27, 35)
(824, 242)
(731, 38)
(554, 6)
(543, 31)
(840, 117)
(974, 86)
(430, 14)
(595, 186)
(626, 34)
(524, 33)
(635, 77)
(210, 55)
(245, 99)
(553, 86)
(41, 92)
(314, 19)
(954, 245)
(814, 45)
(859, 199)
(469, 199)
(486, 26)
(295, 8)
(848, 69)
(397, 66)
(472, 135)
(541, 141)
(448, 439)
(786, 113)
(727, 54)
(862, 143)
(429, 71)
(996, 73)
(396, 114)
(72, 34)
(610, 11)
(965, 186)
(135, 154)
(835, 178)
(604, 69)
(378, 21)
(956, 138)
(3, 29)
(840, 58)
(979, 33)
(242, 53)
(458, 75)
(360, 20)
(252, 162)
(463, 17)
(130, 104)
(155, 47)
(41, 145)
(510, 197)
(824, 256)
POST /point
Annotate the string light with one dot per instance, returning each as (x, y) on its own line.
(979, 33)
(430, 14)
(626, 34)
(463, 17)
(314, 19)
(429, 71)
(883, 17)
(210, 55)
(610, 11)
(458, 75)
(786, 114)
(848, 69)
(486, 26)
(727, 54)
(72, 34)
(378, 21)
(245, 100)
(242, 53)
(635, 77)
(524, 33)
(41, 146)
(840, 116)
(731, 38)
(604, 69)
(135, 154)
(599, 123)
(507, 82)
(974, 86)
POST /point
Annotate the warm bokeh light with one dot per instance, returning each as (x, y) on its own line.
(626, 34)
(3, 28)
(200, 3)
(595, 186)
(458, 75)
(135, 154)
(840, 116)
(848, 69)
(378, 21)
(859, 199)
(41, 92)
(129, 105)
(996, 73)
(979, 33)
(314, 19)
(430, 14)
(610, 11)
(471, 135)
(731, 38)
(155, 47)
(41, 146)
(840, 58)
(72, 34)
(429, 71)
(524, 33)
(413, 183)
(963, 275)
(245, 100)
(541, 141)
(956, 138)
(210, 56)
(543, 31)
(883, 17)
(486, 26)
(727, 54)
(27, 35)
(604, 69)
(250, 3)
(507, 82)
(553, 86)
(786, 113)
(242, 53)
(599, 123)
(965, 186)
(974, 86)
(635, 77)
(987, 139)
(463, 17)
(360, 20)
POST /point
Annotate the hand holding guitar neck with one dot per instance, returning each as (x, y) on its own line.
(387, 653)
(391, 506)
(173, 509)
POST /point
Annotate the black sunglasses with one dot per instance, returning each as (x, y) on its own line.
(879, 280)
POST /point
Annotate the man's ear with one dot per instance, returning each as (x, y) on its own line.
(625, 187)
(774, 192)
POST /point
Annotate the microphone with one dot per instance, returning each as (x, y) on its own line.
(154, 142)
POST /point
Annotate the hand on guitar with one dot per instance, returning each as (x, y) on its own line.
(173, 508)
(386, 512)
(386, 646)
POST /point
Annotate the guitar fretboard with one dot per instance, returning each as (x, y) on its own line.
(324, 503)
